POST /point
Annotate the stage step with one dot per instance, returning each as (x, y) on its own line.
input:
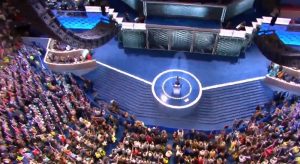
(217, 108)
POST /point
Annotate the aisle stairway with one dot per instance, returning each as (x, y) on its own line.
(217, 107)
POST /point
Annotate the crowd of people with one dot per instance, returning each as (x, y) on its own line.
(275, 70)
(142, 144)
(48, 118)
(67, 59)
(270, 136)
(60, 46)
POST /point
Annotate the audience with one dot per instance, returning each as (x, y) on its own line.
(61, 59)
(66, 58)
(48, 118)
(142, 144)
(60, 46)
(275, 70)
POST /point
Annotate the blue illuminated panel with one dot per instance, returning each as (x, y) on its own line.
(204, 12)
(87, 22)
(287, 37)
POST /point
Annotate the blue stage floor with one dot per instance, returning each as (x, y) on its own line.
(287, 37)
(210, 70)
(87, 22)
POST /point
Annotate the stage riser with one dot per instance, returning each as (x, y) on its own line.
(217, 107)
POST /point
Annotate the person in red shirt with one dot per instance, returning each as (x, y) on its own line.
(89, 57)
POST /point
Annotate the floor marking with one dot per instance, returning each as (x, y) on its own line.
(162, 99)
(233, 83)
(125, 73)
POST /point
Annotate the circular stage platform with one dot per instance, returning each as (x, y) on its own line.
(190, 89)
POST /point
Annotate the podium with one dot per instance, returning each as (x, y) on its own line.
(176, 89)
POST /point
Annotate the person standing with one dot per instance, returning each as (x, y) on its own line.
(103, 3)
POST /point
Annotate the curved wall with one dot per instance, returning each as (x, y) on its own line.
(41, 17)
(276, 51)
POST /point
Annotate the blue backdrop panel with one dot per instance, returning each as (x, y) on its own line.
(229, 46)
(204, 42)
(158, 39)
(134, 4)
(238, 7)
(181, 40)
(134, 38)
(167, 9)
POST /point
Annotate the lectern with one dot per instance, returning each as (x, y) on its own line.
(177, 87)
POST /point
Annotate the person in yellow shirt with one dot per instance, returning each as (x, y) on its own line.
(297, 160)
(97, 155)
(165, 160)
(20, 158)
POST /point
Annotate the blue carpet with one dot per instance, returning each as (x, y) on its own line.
(80, 22)
(210, 70)
(216, 109)
(287, 37)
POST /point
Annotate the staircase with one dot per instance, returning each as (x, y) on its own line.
(217, 107)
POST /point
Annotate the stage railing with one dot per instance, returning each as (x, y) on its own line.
(177, 38)
(283, 85)
(292, 71)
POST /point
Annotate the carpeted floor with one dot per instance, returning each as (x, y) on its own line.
(210, 70)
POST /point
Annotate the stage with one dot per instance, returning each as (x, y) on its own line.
(189, 91)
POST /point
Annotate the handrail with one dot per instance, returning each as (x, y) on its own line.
(70, 52)
(292, 87)
(71, 64)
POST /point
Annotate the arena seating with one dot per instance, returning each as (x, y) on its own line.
(47, 118)
(283, 78)
(63, 58)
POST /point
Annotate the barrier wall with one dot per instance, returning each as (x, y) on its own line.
(80, 68)
(282, 85)
(291, 71)
(194, 40)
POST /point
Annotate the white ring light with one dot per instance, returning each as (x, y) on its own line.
(177, 98)
(175, 106)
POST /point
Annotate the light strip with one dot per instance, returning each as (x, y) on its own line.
(125, 73)
(48, 44)
(233, 83)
